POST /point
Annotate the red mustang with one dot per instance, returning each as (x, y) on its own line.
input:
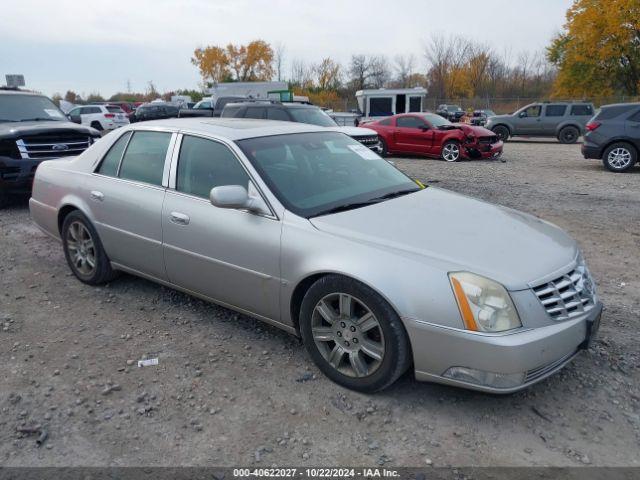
(433, 136)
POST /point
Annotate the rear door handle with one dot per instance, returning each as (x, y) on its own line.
(97, 196)
(179, 218)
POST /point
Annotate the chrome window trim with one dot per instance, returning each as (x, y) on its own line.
(98, 163)
(174, 172)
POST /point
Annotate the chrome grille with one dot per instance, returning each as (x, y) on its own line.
(368, 140)
(569, 295)
(42, 148)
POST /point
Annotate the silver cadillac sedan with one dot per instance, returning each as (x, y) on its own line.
(312, 232)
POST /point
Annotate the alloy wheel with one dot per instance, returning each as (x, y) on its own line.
(451, 152)
(619, 158)
(82, 250)
(348, 335)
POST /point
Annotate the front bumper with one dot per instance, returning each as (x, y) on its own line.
(16, 175)
(484, 151)
(534, 353)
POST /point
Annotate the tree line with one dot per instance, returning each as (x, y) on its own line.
(596, 54)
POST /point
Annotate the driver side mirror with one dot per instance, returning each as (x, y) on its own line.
(522, 114)
(236, 197)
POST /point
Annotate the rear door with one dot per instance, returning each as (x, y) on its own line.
(231, 256)
(552, 116)
(582, 113)
(126, 194)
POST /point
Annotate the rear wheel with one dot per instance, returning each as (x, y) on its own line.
(619, 157)
(502, 132)
(451, 151)
(353, 335)
(83, 250)
(568, 135)
(97, 126)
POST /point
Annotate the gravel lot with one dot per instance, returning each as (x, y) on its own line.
(229, 390)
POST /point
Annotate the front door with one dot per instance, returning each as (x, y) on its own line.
(126, 194)
(228, 255)
(411, 135)
(529, 120)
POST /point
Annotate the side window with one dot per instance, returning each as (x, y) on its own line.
(277, 114)
(409, 122)
(635, 117)
(204, 164)
(85, 110)
(109, 164)
(75, 112)
(230, 111)
(533, 111)
(204, 105)
(255, 112)
(144, 159)
(581, 110)
(386, 122)
(555, 110)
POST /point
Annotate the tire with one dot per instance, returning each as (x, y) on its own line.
(568, 135)
(502, 132)
(619, 157)
(77, 229)
(97, 126)
(450, 151)
(373, 353)
(385, 149)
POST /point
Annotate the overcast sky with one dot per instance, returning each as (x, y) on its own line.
(97, 46)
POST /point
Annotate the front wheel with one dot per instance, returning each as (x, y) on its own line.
(384, 150)
(451, 151)
(619, 157)
(353, 335)
(83, 250)
(502, 132)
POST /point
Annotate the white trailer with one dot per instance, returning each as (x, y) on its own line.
(246, 89)
(384, 102)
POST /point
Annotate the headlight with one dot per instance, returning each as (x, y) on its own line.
(485, 305)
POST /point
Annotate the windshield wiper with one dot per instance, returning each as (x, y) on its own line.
(371, 201)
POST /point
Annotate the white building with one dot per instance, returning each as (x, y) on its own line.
(384, 102)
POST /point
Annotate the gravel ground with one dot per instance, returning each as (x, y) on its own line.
(229, 390)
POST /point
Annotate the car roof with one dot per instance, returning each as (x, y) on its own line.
(270, 104)
(626, 104)
(231, 128)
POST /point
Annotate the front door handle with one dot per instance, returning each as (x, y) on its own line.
(97, 196)
(179, 218)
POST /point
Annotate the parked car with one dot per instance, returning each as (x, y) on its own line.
(33, 129)
(207, 107)
(613, 136)
(154, 111)
(431, 135)
(100, 117)
(301, 113)
(453, 113)
(127, 107)
(564, 120)
(479, 117)
(306, 229)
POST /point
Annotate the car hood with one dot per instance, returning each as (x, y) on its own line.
(494, 118)
(455, 232)
(470, 129)
(18, 129)
(354, 131)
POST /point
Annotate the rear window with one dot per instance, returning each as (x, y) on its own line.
(144, 159)
(111, 160)
(230, 110)
(113, 109)
(581, 110)
(555, 110)
(607, 113)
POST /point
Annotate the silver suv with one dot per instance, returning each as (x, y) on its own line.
(564, 120)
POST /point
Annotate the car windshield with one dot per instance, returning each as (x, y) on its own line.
(436, 120)
(24, 108)
(325, 172)
(311, 115)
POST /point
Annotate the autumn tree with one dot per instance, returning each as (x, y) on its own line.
(328, 74)
(599, 49)
(71, 96)
(251, 62)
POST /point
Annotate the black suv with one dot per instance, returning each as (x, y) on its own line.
(154, 111)
(613, 135)
(33, 129)
(301, 113)
(453, 113)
